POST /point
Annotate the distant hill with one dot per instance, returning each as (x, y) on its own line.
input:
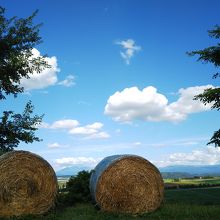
(177, 171)
(175, 175)
(72, 171)
(192, 170)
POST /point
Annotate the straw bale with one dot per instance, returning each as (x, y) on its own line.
(28, 184)
(127, 184)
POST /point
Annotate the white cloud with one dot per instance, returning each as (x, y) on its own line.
(181, 142)
(129, 49)
(54, 145)
(64, 124)
(149, 105)
(207, 156)
(47, 77)
(90, 131)
(68, 82)
(68, 161)
(82, 131)
(118, 131)
(99, 135)
(96, 126)
(43, 125)
(137, 143)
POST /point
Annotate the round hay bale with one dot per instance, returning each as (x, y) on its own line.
(127, 184)
(28, 184)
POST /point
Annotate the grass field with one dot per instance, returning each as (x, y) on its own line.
(213, 180)
(181, 204)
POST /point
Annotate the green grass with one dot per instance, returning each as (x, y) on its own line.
(182, 204)
(207, 196)
(215, 180)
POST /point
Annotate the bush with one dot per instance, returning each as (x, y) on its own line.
(77, 188)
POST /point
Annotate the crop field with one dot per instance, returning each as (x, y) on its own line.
(181, 204)
(194, 181)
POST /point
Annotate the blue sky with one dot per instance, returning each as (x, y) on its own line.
(121, 81)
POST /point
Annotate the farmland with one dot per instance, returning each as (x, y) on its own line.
(196, 182)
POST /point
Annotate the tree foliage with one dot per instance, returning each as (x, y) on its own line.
(18, 127)
(18, 36)
(211, 95)
(78, 188)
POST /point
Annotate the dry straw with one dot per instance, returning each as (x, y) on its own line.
(127, 184)
(28, 184)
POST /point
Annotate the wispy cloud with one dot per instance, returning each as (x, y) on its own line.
(68, 82)
(137, 143)
(129, 48)
(181, 142)
(54, 145)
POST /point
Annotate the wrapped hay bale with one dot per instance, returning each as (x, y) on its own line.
(28, 184)
(127, 184)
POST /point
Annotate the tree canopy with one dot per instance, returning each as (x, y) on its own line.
(18, 36)
(18, 127)
(78, 188)
(211, 95)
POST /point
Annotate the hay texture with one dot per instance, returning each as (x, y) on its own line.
(28, 184)
(127, 184)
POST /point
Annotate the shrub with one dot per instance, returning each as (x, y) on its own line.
(78, 188)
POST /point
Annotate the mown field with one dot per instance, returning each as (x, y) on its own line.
(180, 204)
(181, 181)
(195, 181)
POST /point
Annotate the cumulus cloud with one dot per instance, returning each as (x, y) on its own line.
(207, 156)
(129, 49)
(90, 131)
(68, 161)
(47, 77)
(149, 105)
(64, 124)
(68, 82)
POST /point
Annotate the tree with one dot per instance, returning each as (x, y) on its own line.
(211, 95)
(78, 188)
(17, 39)
(18, 127)
(18, 36)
